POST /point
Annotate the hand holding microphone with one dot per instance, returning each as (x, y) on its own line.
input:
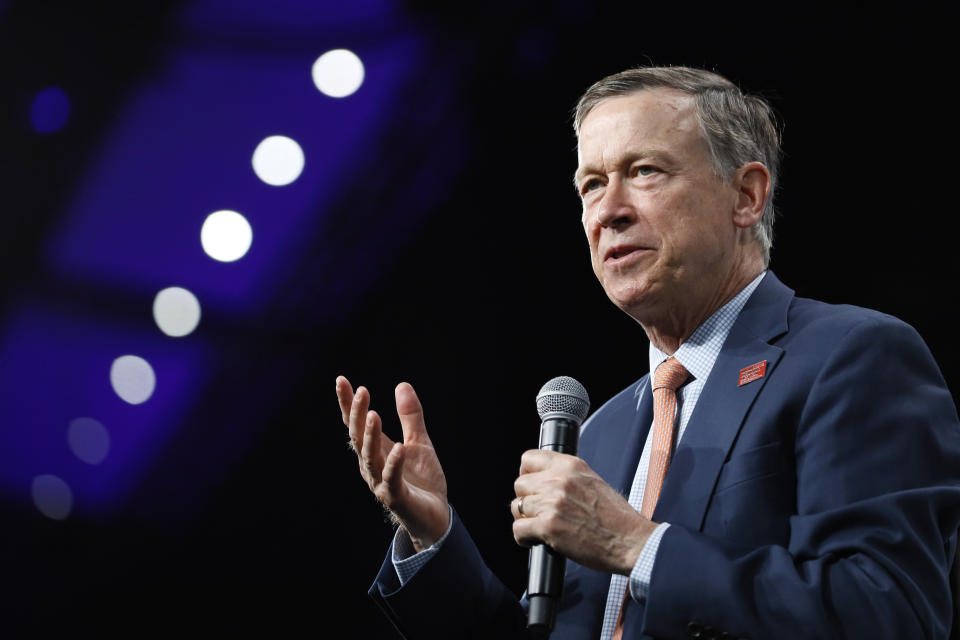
(568, 510)
(562, 404)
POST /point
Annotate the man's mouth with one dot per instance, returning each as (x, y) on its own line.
(621, 251)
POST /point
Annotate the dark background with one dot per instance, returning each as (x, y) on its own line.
(490, 297)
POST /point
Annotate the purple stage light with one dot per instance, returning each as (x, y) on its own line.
(290, 17)
(183, 147)
(49, 110)
(183, 150)
(55, 368)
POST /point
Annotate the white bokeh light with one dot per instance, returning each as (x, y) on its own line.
(176, 311)
(278, 160)
(88, 440)
(338, 73)
(226, 235)
(132, 379)
(52, 496)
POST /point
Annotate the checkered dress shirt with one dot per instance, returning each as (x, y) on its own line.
(698, 355)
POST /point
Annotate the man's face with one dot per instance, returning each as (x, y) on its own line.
(658, 220)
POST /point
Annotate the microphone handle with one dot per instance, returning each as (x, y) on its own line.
(546, 566)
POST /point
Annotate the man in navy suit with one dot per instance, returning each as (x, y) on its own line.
(812, 481)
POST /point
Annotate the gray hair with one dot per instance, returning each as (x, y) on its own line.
(738, 128)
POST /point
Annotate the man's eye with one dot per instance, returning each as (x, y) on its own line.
(589, 185)
(645, 170)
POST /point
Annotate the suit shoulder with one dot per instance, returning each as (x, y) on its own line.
(833, 322)
(627, 397)
(838, 333)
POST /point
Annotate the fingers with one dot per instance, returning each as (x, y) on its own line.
(371, 454)
(530, 481)
(537, 468)
(522, 507)
(393, 473)
(546, 488)
(411, 414)
(537, 460)
(525, 526)
(357, 418)
(354, 406)
(345, 397)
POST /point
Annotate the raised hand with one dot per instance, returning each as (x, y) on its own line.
(406, 477)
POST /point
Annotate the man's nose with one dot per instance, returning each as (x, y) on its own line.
(615, 208)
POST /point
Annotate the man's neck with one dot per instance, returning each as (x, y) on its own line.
(678, 324)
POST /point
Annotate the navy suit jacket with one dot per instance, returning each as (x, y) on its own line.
(821, 500)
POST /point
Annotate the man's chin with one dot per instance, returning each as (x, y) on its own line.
(632, 301)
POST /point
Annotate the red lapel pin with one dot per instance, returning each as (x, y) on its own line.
(753, 372)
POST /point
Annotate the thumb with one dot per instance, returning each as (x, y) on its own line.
(411, 414)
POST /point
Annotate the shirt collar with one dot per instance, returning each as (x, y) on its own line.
(699, 352)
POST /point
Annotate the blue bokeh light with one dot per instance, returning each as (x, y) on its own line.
(49, 110)
(176, 141)
(55, 366)
(178, 146)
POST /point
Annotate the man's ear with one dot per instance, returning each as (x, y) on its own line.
(752, 182)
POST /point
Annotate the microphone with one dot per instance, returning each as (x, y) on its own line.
(563, 405)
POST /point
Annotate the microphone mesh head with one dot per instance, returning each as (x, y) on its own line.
(563, 395)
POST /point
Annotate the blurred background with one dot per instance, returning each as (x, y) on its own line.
(210, 209)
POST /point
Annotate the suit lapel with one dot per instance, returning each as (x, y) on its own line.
(614, 456)
(612, 450)
(723, 406)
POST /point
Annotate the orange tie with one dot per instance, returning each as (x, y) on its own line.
(666, 380)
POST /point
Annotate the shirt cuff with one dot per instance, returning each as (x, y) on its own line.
(406, 560)
(643, 569)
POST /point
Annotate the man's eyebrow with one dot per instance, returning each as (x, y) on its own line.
(578, 175)
(652, 155)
